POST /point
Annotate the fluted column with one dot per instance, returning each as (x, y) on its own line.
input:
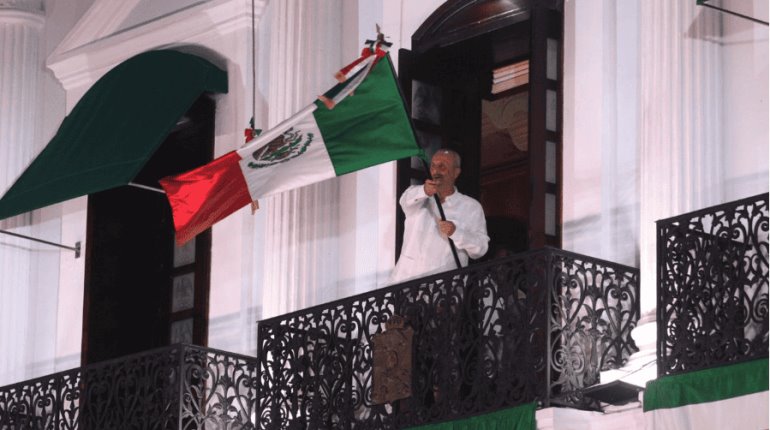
(680, 143)
(21, 23)
(680, 123)
(301, 237)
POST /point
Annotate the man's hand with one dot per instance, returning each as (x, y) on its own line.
(430, 187)
(447, 228)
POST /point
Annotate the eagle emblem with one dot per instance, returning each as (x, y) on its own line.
(291, 144)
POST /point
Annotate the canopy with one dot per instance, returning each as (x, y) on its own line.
(114, 129)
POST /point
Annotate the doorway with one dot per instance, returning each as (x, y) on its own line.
(490, 89)
(141, 290)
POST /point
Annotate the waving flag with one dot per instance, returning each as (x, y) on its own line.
(361, 130)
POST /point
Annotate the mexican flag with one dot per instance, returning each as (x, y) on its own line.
(727, 397)
(359, 123)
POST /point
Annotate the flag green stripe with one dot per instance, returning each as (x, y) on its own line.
(518, 418)
(369, 127)
(707, 385)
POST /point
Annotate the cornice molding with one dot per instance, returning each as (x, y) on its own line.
(84, 64)
(34, 6)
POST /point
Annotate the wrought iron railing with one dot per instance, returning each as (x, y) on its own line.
(534, 326)
(713, 286)
(177, 387)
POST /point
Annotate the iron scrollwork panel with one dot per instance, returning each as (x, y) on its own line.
(480, 343)
(713, 286)
(217, 389)
(594, 308)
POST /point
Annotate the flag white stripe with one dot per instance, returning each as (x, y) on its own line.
(274, 132)
(306, 165)
(368, 62)
(743, 412)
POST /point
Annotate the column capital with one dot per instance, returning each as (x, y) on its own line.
(28, 12)
(34, 6)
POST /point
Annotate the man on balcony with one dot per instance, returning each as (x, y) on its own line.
(426, 247)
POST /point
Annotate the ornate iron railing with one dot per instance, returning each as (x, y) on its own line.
(178, 387)
(713, 286)
(534, 326)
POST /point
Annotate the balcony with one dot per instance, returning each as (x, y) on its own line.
(177, 387)
(713, 286)
(534, 327)
(537, 326)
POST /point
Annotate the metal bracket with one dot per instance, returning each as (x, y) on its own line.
(740, 15)
(75, 248)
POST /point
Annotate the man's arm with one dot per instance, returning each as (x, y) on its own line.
(472, 235)
(412, 199)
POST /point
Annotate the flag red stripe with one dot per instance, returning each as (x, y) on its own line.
(201, 197)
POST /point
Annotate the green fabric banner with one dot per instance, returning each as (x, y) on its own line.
(114, 129)
(707, 385)
(518, 418)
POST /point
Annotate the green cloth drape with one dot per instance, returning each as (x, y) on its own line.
(114, 129)
(707, 385)
(517, 418)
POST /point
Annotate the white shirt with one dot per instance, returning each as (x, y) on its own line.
(425, 250)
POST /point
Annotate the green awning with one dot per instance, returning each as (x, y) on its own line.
(114, 129)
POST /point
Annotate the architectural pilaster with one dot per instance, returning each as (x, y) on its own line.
(680, 137)
(21, 23)
(301, 235)
(680, 120)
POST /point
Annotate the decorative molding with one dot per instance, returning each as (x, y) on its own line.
(461, 19)
(102, 18)
(35, 6)
(84, 64)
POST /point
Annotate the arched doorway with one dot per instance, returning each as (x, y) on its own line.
(484, 78)
(141, 290)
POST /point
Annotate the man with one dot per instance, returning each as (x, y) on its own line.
(426, 248)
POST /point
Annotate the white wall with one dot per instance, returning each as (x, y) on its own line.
(600, 141)
(745, 70)
(697, 136)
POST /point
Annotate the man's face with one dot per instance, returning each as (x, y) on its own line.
(443, 169)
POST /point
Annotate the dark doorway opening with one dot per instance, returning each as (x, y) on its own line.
(490, 89)
(141, 290)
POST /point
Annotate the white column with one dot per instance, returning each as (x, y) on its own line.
(301, 229)
(21, 24)
(680, 122)
(680, 143)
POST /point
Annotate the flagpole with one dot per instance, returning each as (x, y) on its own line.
(443, 218)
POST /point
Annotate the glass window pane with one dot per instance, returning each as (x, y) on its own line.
(184, 254)
(182, 331)
(550, 214)
(551, 105)
(552, 60)
(504, 130)
(426, 102)
(550, 162)
(183, 296)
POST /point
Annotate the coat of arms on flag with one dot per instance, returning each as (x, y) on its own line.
(292, 143)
